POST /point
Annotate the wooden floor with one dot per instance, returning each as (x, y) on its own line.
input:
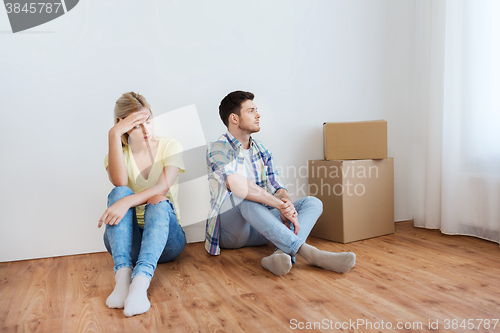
(414, 276)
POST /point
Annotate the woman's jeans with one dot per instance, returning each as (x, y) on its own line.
(249, 223)
(161, 240)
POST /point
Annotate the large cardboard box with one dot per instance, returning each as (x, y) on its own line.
(357, 196)
(355, 140)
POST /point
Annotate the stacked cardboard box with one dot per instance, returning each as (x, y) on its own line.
(355, 182)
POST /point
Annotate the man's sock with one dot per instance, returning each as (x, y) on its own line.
(137, 301)
(338, 262)
(117, 297)
(278, 263)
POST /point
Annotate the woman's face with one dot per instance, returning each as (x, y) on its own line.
(143, 132)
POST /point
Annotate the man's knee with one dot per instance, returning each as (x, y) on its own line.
(156, 199)
(314, 203)
(249, 205)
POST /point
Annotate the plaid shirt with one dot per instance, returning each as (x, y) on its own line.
(225, 158)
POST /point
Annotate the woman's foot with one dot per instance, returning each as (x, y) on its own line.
(117, 297)
(137, 301)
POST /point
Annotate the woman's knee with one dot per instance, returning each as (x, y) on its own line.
(176, 243)
(173, 252)
(156, 199)
(118, 193)
(106, 242)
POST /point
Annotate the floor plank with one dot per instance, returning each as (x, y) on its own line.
(413, 276)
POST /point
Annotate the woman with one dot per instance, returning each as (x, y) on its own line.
(141, 221)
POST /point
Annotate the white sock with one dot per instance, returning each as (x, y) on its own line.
(279, 263)
(338, 262)
(137, 301)
(117, 297)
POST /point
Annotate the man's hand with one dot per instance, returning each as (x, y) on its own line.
(282, 194)
(289, 213)
(114, 214)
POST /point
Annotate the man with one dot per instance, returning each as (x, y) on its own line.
(249, 204)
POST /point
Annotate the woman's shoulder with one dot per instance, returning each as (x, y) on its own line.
(169, 146)
(171, 153)
(164, 139)
(168, 142)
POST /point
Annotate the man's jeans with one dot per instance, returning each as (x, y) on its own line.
(249, 223)
(161, 240)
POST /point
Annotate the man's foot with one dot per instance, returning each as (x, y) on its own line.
(340, 262)
(278, 263)
(117, 297)
(137, 301)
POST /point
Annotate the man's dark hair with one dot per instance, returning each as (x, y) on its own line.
(232, 104)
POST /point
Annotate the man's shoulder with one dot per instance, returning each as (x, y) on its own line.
(221, 142)
(221, 147)
(261, 146)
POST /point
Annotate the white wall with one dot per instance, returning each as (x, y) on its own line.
(306, 61)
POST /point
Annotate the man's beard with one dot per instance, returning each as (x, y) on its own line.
(248, 129)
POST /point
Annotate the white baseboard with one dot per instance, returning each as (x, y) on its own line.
(195, 232)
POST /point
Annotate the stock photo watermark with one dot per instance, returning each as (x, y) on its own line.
(365, 324)
(24, 15)
(330, 179)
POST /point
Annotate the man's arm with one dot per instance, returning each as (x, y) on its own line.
(288, 207)
(275, 185)
(218, 160)
(282, 194)
(243, 187)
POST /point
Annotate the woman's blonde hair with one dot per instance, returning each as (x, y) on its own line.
(129, 103)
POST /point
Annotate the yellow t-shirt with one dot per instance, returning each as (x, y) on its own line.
(169, 153)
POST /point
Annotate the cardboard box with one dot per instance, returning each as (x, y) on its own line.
(357, 196)
(355, 140)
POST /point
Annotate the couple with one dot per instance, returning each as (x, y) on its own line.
(249, 204)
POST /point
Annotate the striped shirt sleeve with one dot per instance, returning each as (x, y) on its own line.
(273, 181)
(219, 158)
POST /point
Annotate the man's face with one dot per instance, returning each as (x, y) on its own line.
(249, 117)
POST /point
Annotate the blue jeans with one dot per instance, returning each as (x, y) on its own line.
(249, 223)
(161, 240)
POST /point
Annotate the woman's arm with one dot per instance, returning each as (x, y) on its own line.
(117, 171)
(164, 183)
(117, 211)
